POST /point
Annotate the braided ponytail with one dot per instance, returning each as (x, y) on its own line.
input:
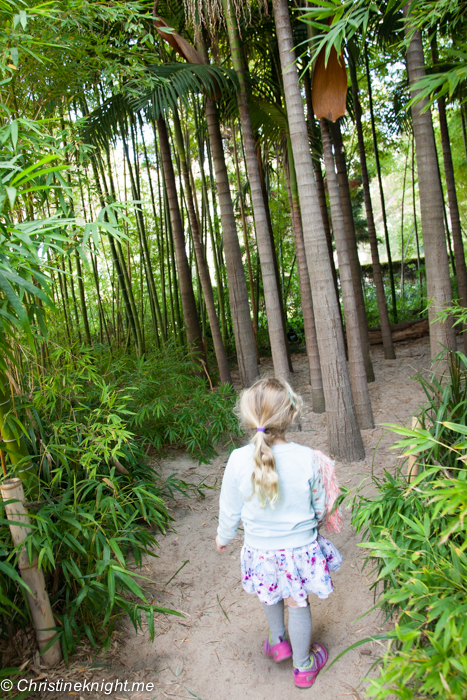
(268, 407)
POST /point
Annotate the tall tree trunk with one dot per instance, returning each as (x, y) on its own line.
(415, 223)
(319, 175)
(345, 440)
(205, 202)
(431, 204)
(352, 325)
(388, 346)
(402, 224)
(381, 190)
(245, 230)
(266, 256)
(145, 257)
(145, 241)
(316, 378)
(349, 227)
(193, 330)
(203, 270)
(238, 293)
(273, 250)
(160, 234)
(454, 215)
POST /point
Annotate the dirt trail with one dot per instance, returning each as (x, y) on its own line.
(214, 652)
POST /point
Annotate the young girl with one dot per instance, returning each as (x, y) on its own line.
(277, 489)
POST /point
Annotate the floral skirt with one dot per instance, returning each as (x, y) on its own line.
(275, 574)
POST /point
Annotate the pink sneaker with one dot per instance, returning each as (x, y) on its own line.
(304, 677)
(279, 651)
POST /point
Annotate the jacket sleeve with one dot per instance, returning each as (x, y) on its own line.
(318, 495)
(230, 505)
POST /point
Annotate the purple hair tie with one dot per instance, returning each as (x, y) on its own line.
(260, 430)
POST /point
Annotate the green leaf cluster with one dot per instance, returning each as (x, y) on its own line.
(415, 537)
(93, 525)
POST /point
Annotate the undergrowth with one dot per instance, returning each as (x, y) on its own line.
(415, 536)
(88, 423)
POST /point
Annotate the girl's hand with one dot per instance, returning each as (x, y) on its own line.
(220, 547)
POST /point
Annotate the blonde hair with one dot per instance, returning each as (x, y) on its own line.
(270, 404)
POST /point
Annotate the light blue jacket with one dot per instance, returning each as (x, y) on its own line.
(293, 520)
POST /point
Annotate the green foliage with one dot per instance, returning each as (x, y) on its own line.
(89, 535)
(93, 524)
(169, 403)
(409, 306)
(415, 536)
(442, 419)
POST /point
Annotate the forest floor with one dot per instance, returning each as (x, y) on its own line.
(215, 651)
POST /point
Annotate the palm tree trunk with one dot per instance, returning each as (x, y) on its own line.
(349, 226)
(431, 204)
(203, 271)
(245, 231)
(454, 215)
(381, 191)
(238, 293)
(319, 176)
(388, 346)
(345, 440)
(273, 250)
(205, 201)
(193, 330)
(415, 224)
(354, 344)
(271, 291)
(316, 378)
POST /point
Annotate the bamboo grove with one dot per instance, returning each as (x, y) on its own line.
(183, 175)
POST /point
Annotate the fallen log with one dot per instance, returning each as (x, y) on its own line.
(408, 330)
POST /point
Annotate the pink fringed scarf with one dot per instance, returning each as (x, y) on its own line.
(334, 521)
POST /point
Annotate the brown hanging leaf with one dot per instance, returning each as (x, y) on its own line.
(329, 91)
(177, 42)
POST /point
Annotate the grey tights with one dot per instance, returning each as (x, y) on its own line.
(275, 615)
(299, 630)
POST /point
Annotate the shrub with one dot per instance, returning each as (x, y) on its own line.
(416, 538)
(86, 423)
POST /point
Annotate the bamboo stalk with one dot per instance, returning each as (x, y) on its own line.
(39, 603)
(412, 464)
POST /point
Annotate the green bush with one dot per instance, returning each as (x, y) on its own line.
(85, 423)
(416, 539)
(409, 307)
(170, 404)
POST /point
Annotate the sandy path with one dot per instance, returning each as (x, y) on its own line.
(214, 652)
(219, 658)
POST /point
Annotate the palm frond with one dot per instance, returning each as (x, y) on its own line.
(268, 120)
(101, 125)
(177, 81)
(170, 83)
